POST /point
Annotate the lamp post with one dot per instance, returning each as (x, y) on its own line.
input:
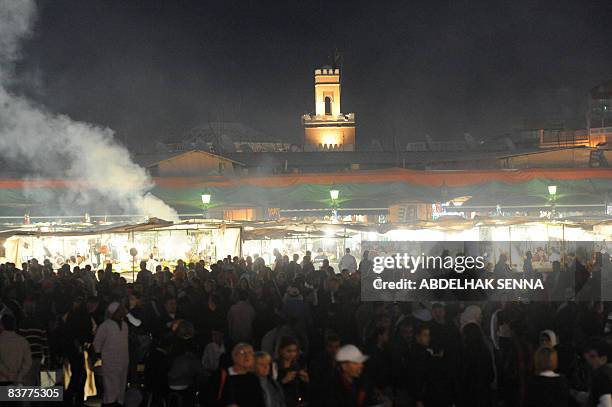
(552, 197)
(205, 203)
(133, 253)
(333, 194)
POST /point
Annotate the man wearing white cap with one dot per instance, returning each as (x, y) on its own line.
(346, 390)
(112, 342)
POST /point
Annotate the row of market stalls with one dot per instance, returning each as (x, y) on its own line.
(291, 213)
(124, 245)
(165, 242)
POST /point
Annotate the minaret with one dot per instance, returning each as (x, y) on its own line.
(328, 129)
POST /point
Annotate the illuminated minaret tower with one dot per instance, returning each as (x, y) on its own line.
(328, 129)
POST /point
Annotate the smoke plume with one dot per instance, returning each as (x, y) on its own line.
(99, 171)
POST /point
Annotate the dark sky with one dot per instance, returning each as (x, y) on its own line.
(150, 69)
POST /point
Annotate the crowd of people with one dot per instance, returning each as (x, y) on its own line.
(242, 333)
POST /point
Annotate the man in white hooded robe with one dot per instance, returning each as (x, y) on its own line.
(111, 341)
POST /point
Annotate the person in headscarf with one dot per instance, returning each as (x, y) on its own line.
(111, 341)
(547, 388)
(568, 363)
(471, 314)
(548, 339)
(476, 372)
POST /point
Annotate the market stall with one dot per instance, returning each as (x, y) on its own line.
(329, 240)
(124, 246)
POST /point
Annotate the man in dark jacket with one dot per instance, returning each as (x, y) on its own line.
(144, 276)
(445, 344)
(597, 354)
(77, 333)
(322, 368)
(421, 366)
(294, 267)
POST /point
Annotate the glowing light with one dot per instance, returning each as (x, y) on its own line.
(334, 193)
(205, 199)
(81, 247)
(54, 245)
(328, 242)
(459, 201)
(552, 190)
(331, 139)
(415, 235)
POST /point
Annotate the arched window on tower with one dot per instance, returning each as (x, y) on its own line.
(328, 106)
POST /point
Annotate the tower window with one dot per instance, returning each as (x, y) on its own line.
(328, 105)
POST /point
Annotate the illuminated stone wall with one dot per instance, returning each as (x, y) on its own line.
(319, 138)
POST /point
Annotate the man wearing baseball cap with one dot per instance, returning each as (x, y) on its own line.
(346, 390)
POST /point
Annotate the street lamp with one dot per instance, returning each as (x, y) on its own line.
(334, 194)
(552, 190)
(205, 203)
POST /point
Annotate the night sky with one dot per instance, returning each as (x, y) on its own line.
(152, 69)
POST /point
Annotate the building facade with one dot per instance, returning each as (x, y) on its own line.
(328, 128)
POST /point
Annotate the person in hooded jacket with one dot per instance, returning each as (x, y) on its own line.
(476, 372)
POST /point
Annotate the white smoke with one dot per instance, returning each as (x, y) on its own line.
(87, 156)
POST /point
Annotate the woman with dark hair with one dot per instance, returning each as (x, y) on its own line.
(516, 363)
(212, 315)
(291, 373)
(401, 344)
(378, 365)
(185, 372)
(476, 372)
(76, 333)
(243, 284)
